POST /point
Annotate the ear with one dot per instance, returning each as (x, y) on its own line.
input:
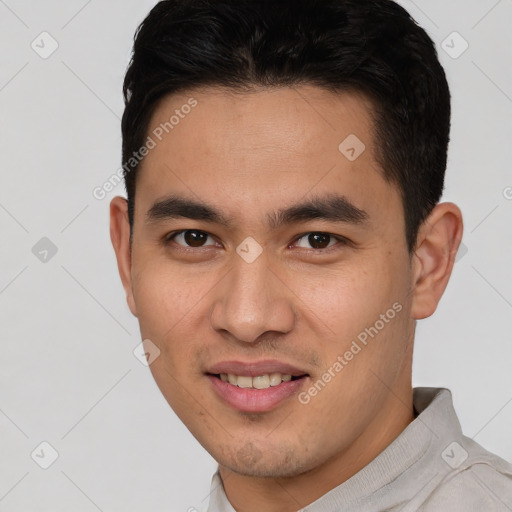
(437, 244)
(120, 236)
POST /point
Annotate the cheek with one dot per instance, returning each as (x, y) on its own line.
(365, 345)
(167, 302)
(168, 306)
(350, 299)
(163, 290)
(361, 311)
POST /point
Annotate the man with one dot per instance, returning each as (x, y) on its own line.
(284, 162)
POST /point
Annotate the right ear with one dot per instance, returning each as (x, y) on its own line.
(120, 237)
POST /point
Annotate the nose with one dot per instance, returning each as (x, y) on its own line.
(252, 300)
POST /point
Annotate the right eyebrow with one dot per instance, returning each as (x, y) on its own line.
(174, 207)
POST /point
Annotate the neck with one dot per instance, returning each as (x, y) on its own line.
(251, 494)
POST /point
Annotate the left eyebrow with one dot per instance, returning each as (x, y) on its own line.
(333, 208)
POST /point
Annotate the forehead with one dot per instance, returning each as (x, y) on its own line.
(305, 120)
(269, 146)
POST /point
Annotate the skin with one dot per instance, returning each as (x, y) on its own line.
(248, 155)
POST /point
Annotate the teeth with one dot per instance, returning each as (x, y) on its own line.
(259, 382)
(244, 382)
(275, 379)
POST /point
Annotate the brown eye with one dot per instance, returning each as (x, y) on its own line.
(316, 241)
(319, 240)
(190, 238)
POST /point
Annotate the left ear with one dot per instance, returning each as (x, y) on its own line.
(437, 244)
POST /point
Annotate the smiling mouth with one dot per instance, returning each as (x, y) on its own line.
(263, 381)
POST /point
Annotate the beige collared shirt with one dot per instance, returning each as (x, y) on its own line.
(430, 467)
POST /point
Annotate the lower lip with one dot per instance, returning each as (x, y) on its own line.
(255, 400)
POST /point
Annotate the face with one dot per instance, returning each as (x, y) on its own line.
(267, 255)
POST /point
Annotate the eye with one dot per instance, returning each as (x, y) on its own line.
(190, 238)
(318, 240)
(194, 238)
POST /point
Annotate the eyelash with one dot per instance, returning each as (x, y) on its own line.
(341, 240)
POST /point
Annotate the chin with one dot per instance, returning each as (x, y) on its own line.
(251, 461)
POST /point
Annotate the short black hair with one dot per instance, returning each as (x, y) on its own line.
(369, 46)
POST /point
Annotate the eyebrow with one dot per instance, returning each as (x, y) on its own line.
(333, 208)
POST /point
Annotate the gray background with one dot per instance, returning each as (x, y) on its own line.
(68, 375)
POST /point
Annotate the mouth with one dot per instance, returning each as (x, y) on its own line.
(256, 387)
(264, 381)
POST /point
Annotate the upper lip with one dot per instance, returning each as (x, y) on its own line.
(255, 368)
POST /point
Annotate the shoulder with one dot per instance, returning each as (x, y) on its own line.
(482, 483)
